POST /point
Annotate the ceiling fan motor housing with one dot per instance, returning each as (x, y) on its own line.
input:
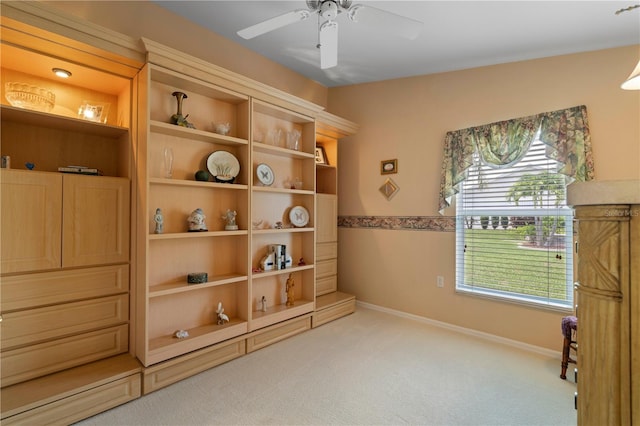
(329, 9)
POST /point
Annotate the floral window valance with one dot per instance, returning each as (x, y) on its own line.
(564, 132)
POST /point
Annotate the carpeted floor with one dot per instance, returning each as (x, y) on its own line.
(370, 368)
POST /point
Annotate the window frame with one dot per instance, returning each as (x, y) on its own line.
(465, 288)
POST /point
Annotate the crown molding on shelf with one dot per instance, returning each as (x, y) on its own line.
(41, 21)
(168, 57)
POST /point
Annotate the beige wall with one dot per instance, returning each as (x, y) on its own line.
(407, 119)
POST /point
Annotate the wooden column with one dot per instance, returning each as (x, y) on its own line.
(604, 315)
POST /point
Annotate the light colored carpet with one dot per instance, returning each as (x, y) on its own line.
(369, 368)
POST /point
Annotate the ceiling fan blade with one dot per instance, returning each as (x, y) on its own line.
(386, 21)
(328, 45)
(274, 23)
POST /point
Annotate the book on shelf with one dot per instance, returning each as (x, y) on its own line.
(280, 255)
(80, 170)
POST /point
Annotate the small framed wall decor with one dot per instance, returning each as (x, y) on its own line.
(94, 111)
(389, 188)
(321, 155)
(388, 167)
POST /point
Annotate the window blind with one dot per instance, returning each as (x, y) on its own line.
(514, 231)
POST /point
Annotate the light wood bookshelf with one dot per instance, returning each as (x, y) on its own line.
(166, 301)
(330, 303)
(66, 258)
(117, 289)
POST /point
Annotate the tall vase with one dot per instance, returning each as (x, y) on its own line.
(178, 118)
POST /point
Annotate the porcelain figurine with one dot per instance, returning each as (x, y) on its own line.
(222, 317)
(196, 221)
(230, 217)
(223, 128)
(181, 334)
(159, 220)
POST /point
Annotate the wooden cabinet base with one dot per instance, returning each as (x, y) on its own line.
(277, 332)
(332, 306)
(74, 394)
(174, 370)
(166, 373)
(30, 362)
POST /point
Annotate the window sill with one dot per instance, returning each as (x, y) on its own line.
(512, 299)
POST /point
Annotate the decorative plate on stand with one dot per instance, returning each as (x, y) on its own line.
(299, 216)
(265, 174)
(223, 166)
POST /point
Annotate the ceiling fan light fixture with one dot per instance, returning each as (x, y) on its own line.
(328, 45)
(633, 82)
(329, 10)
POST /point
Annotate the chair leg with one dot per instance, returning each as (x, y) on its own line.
(565, 357)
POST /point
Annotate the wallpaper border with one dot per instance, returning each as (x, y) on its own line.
(400, 223)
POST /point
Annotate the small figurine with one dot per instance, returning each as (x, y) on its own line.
(196, 221)
(301, 262)
(222, 318)
(223, 128)
(181, 334)
(278, 225)
(230, 216)
(264, 304)
(159, 220)
(30, 165)
(289, 286)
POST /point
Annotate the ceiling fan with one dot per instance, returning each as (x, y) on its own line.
(328, 11)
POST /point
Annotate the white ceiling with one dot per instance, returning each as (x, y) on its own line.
(456, 34)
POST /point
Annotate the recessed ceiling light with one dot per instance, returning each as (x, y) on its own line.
(62, 73)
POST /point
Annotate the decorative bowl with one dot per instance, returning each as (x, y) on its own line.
(31, 97)
(197, 278)
(223, 128)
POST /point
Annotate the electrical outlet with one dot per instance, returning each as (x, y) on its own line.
(440, 281)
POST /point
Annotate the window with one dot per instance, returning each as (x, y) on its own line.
(514, 231)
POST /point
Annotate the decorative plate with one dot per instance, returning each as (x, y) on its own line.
(265, 174)
(299, 216)
(223, 165)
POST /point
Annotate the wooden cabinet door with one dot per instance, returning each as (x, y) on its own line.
(31, 217)
(326, 218)
(95, 220)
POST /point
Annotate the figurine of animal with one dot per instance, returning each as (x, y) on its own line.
(222, 317)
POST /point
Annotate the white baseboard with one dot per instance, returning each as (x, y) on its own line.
(468, 331)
